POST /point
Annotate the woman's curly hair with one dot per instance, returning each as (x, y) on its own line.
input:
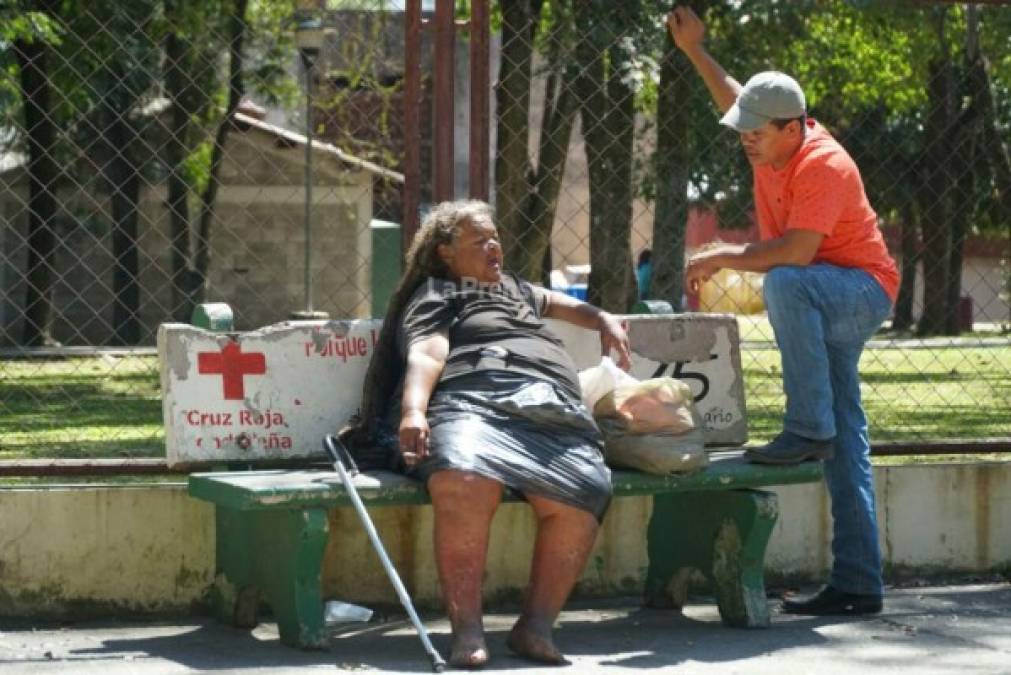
(441, 226)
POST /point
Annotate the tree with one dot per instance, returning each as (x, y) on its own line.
(902, 319)
(526, 190)
(606, 51)
(19, 20)
(675, 117)
(33, 51)
(193, 30)
(109, 71)
(952, 136)
(203, 100)
(114, 73)
(105, 68)
(994, 143)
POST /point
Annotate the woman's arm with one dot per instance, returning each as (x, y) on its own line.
(425, 360)
(612, 334)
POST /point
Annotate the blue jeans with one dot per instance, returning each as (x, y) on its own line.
(822, 316)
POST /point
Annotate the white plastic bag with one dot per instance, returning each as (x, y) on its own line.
(652, 426)
(659, 452)
(600, 380)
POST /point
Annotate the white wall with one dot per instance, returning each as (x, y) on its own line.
(151, 548)
(983, 281)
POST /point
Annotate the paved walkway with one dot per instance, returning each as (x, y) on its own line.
(942, 629)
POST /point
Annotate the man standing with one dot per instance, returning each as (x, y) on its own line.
(829, 284)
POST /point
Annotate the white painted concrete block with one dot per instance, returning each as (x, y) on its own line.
(801, 539)
(974, 499)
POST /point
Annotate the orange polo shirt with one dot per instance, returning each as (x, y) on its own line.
(820, 189)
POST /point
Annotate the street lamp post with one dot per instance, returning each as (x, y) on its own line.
(309, 39)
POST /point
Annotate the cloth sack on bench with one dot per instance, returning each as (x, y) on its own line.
(652, 426)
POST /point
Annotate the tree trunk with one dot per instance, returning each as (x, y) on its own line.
(961, 211)
(124, 182)
(176, 150)
(43, 177)
(903, 319)
(607, 125)
(236, 90)
(590, 92)
(994, 143)
(512, 158)
(671, 161)
(962, 164)
(527, 197)
(612, 266)
(936, 200)
(553, 150)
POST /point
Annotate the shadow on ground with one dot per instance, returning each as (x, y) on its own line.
(611, 634)
(932, 630)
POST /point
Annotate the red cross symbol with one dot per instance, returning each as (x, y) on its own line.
(232, 364)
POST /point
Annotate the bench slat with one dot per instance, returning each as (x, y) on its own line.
(287, 489)
(727, 470)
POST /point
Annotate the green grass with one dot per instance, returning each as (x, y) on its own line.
(110, 407)
(756, 328)
(909, 394)
(94, 407)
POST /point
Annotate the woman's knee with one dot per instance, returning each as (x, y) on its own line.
(454, 488)
(550, 508)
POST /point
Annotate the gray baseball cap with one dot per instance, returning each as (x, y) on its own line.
(766, 96)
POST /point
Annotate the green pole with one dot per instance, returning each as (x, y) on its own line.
(386, 263)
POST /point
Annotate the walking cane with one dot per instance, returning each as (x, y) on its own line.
(340, 455)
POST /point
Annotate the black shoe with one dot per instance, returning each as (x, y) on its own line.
(789, 448)
(830, 601)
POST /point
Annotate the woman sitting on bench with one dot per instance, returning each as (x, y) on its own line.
(486, 398)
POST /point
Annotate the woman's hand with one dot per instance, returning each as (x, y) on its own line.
(414, 433)
(613, 336)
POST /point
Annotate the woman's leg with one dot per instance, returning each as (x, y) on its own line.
(565, 536)
(464, 505)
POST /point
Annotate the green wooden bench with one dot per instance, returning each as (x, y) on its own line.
(272, 530)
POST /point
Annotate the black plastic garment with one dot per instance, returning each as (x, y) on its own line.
(524, 432)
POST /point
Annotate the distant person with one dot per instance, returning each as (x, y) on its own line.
(829, 285)
(644, 273)
(484, 397)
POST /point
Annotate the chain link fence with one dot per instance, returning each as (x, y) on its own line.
(153, 156)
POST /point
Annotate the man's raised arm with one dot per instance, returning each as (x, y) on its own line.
(688, 33)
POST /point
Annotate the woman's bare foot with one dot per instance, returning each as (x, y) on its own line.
(534, 643)
(469, 650)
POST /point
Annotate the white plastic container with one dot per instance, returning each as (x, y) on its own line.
(335, 611)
